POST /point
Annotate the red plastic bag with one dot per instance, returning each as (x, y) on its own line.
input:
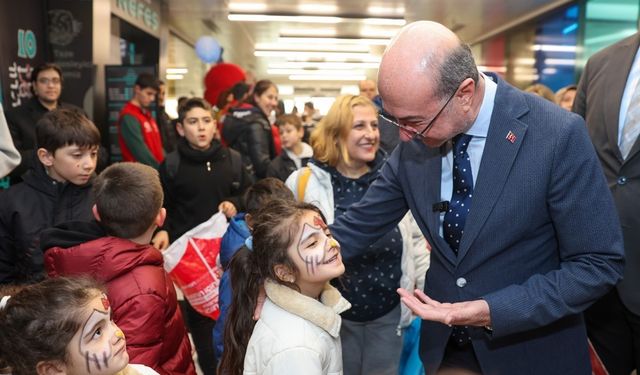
(193, 262)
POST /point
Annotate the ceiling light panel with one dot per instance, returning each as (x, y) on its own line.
(282, 72)
(327, 56)
(247, 7)
(323, 65)
(318, 32)
(318, 8)
(385, 10)
(307, 77)
(310, 47)
(322, 40)
(276, 18)
(313, 19)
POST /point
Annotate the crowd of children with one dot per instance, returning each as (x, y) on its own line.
(97, 243)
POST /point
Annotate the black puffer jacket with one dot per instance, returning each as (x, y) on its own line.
(26, 209)
(247, 130)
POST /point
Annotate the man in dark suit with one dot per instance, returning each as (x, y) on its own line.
(523, 231)
(608, 97)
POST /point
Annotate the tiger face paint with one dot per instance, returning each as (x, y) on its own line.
(316, 254)
(99, 346)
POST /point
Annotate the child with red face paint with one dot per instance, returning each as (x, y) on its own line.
(63, 326)
(294, 256)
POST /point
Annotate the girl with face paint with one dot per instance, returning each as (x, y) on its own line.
(294, 257)
(63, 326)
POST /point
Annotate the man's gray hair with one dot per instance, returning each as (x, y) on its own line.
(456, 67)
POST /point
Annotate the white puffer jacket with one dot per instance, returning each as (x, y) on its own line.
(297, 334)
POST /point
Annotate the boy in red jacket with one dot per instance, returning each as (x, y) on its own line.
(138, 134)
(116, 251)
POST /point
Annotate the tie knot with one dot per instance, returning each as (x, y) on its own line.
(460, 143)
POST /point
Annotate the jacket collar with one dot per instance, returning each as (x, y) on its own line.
(323, 313)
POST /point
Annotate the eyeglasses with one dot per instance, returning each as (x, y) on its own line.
(46, 81)
(411, 129)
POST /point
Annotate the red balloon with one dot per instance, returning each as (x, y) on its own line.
(219, 78)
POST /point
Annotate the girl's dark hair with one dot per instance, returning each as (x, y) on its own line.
(274, 229)
(259, 89)
(38, 322)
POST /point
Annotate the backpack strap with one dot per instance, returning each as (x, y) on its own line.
(303, 180)
(236, 168)
(172, 162)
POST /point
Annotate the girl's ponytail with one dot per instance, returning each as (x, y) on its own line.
(245, 281)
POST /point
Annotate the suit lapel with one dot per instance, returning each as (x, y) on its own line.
(422, 169)
(497, 159)
(619, 68)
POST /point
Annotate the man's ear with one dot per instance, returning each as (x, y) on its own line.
(45, 157)
(50, 368)
(160, 218)
(284, 273)
(466, 90)
(180, 129)
(96, 214)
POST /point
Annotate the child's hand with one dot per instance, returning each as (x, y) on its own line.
(161, 240)
(228, 209)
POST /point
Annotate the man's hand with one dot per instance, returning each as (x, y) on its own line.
(161, 240)
(228, 209)
(471, 313)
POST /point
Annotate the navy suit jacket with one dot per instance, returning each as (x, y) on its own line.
(541, 243)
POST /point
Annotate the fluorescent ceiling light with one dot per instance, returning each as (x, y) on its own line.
(173, 77)
(310, 47)
(327, 56)
(382, 10)
(323, 65)
(326, 78)
(247, 7)
(320, 40)
(317, 8)
(177, 70)
(553, 48)
(385, 21)
(314, 19)
(309, 32)
(284, 72)
(273, 18)
(567, 62)
(285, 89)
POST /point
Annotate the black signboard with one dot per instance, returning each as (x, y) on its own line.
(119, 86)
(23, 45)
(70, 36)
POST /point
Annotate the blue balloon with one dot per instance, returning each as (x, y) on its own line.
(208, 49)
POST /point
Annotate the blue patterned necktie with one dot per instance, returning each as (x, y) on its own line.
(456, 216)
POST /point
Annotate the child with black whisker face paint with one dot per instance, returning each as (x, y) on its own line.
(294, 256)
(63, 326)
